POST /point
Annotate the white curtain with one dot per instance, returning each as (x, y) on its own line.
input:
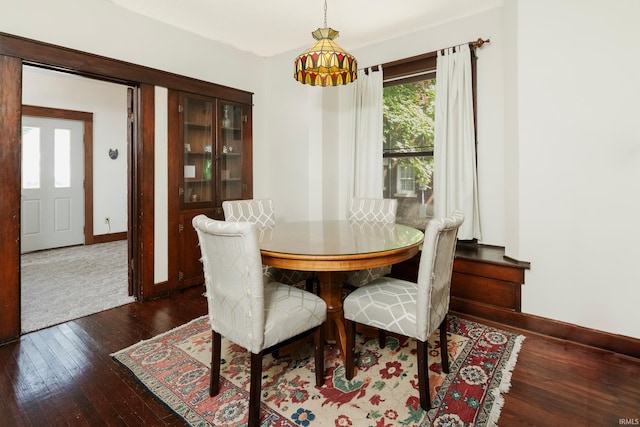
(454, 175)
(367, 155)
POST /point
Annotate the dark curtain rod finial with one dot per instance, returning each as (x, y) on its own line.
(478, 43)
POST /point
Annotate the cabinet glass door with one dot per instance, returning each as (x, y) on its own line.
(231, 146)
(198, 142)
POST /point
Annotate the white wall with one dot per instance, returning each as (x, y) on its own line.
(302, 142)
(287, 132)
(161, 183)
(579, 160)
(108, 103)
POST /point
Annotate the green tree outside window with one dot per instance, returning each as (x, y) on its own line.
(409, 114)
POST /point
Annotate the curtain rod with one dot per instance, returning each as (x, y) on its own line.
(472, 44)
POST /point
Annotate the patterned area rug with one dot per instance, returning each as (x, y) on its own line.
(175, 368)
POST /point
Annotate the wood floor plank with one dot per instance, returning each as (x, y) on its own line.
(62, 381)
(65, 375)
(12, 379)
(89, 377)
(110, 402)
(39, 401)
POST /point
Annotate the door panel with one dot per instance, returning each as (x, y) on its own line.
(62, 214)
(52, 183)
(31, 217)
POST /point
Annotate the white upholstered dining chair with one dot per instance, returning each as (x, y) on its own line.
(372, 210)
(260, 212)
(245, 310)
(412, 309)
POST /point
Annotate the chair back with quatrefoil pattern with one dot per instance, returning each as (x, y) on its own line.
(260, 212)
(371, 210)
(257, 211)
(377, 210)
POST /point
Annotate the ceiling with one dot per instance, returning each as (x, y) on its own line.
(268, 28)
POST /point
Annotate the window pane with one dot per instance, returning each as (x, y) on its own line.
(30, 157)
(410, 180)
(62, 158)
(409, 114)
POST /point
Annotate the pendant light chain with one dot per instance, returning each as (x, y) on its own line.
(325, 13)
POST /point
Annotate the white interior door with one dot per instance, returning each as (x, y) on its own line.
(52, 183)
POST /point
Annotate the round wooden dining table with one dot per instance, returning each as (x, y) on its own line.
(331, 248)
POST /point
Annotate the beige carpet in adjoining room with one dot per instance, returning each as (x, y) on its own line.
(63, 284)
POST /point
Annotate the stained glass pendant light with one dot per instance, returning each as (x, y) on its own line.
(325, 63)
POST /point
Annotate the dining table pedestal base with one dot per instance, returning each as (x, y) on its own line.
(331, 292)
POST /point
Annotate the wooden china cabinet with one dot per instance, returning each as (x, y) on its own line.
(210, 160)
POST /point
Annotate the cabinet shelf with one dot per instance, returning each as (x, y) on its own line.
(193, 125)
(201, 153)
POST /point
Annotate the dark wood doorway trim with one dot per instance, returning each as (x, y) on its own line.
(87, 119)
(59, 58)
(10, 136)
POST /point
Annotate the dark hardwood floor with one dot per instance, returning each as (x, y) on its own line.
(64, 375)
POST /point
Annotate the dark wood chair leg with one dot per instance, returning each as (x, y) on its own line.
(349, 367)
(423, 374)
(382, 338)
(444, 351)
(318, 342)
(255, 390)
(214, 381)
